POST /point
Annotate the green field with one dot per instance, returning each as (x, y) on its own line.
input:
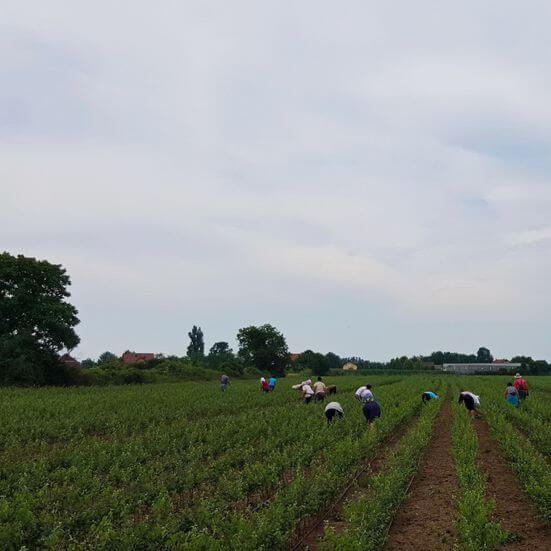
(183, 466)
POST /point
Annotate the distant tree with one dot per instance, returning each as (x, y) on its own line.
(439, 358)
(107, 358)
(87, 363)
(196, 348)
(317, 363)
(264, 348)
(220, 348)
(524, 360)
(36, 321)
(221, 354)
(483, 356)
(540, 367)
(333, 361)
(413, 363)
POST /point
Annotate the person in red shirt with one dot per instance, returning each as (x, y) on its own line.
(521, 386)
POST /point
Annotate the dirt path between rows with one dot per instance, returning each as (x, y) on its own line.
(314, 529)
(514, 509)
(426, 519)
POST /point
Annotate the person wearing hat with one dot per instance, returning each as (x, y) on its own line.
(264, 385)
(521, 386)
(332, 409)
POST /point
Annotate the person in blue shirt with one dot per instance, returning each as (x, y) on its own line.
(428, 396)
(272, 383)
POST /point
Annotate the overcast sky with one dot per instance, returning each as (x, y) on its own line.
(371, 178)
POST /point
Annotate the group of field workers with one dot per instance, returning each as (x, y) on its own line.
(316, 391)
(269, 385)
(319, 390)
(514, 393)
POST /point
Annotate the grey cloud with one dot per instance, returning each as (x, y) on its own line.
(364, 176)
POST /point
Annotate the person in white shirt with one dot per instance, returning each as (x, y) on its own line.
(332, 409)
(300, 385)
(364, 394)
(319, 390)
(308, 393)
(471, 401)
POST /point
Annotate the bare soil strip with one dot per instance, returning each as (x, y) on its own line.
(312, 531)
(426, 520)
(514, 509)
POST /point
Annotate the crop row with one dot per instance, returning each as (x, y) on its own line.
(530, 466)
(48, 416)
(368, 517)
(210, 525)
(179, 480)
(475, 529)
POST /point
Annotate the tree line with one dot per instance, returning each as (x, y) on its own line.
(262, 350)
(37, 322)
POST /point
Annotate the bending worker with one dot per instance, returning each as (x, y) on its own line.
(364, 394)
(371, 411)
(319, 390)
(471, 401)
(332, 409)
(307, 392)
(428, 396)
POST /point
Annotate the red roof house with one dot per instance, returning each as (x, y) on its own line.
(69, 361)
(136, 357)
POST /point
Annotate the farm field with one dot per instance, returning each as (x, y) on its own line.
(183, 466)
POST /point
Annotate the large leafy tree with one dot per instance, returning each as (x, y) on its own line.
(196, 347)
(220, 348)
(264, 348)
(317, 363)
(333, 361)
(220, 354)
(36, 321)
(107, 358)
(484, 356)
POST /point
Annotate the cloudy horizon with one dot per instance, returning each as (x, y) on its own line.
(372, 180)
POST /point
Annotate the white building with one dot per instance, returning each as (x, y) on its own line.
(469, 369)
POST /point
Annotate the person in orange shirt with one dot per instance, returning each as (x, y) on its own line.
(521, 386)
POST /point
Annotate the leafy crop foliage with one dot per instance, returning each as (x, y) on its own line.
(523, 437)
(476, 531)
(175, 465)
(368, 518)
(185, 466)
